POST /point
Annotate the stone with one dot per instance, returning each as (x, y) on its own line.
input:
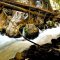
(31, 31)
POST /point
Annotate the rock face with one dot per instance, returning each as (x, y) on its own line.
(31, 31)
(16, 24)
(12, 29)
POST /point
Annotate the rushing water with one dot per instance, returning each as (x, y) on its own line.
(43, 38)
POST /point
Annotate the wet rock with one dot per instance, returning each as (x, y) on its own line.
(3, 31)
(56, 42)
(31, 31)
(41, 53)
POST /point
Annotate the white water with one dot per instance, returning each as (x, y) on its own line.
(43, 38)
(47, 35)
(5, 40)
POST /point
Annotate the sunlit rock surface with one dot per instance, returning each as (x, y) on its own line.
(15, 24)
(2, 20)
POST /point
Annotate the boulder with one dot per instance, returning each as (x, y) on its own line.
(31, 31)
